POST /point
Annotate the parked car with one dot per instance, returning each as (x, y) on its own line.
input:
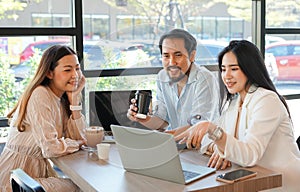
(112, 54)
(270, 62)
(97, 55)
(41, 45)
(151, 48)
(208, 51)
(287, 55)
(21, 71)
(269, 39)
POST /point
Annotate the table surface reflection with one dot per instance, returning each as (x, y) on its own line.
(92, 174)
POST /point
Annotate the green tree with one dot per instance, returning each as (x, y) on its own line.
(238, 8)
(278, 13)
(283, 13)
(9, 8)
(9, 90)
(168, 12)
(32, 64)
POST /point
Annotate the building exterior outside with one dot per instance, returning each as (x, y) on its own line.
(102, 21)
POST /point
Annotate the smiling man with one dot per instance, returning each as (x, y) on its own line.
(186, 92)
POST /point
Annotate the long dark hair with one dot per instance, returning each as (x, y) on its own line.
(251, 62)
(48, 63)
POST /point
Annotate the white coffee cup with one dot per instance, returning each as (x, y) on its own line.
(94, 135)
(103, 150)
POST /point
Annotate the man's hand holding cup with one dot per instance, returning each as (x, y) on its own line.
(139, 107)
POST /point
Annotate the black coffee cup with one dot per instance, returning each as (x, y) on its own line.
(143, 100)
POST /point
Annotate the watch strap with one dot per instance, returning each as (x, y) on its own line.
(216, 134)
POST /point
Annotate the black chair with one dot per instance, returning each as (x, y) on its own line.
(298, 142)
(21, 182)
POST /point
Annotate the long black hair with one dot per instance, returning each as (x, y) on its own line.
(251, 62)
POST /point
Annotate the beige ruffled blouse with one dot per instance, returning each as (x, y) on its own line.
(49, 133)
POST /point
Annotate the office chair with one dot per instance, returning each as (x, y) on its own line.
(21, 182)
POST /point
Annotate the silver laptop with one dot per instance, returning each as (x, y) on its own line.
(154, 154)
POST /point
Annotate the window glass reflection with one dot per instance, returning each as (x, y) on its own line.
(36, 13)
(19, 58)
(282, 14)
(283, 67)
(21, 49)
(139, 82)
(137, 32)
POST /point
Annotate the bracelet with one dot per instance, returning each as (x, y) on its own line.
(75, 107)
(216, 134)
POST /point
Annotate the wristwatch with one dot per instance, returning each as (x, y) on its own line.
(75, 107)
(216, 134)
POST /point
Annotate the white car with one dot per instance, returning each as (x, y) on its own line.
(208, 50)
(270, 62)
(106, 54)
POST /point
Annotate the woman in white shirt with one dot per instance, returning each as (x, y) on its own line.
(47, 121)
(255, 127)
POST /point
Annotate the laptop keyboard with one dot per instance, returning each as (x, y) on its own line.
(188, 174)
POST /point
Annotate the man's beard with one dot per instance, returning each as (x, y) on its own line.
(177, 78)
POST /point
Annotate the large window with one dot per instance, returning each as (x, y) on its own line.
(119, 45)
(50, 19)
(219, 28)
(96, 27)
(282, 29)
(51, 13)
(281, 14)
(282, 41)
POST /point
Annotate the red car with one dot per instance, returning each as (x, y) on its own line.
(41, 45)
(287, 54)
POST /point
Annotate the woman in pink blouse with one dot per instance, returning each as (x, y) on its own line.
(47, 121)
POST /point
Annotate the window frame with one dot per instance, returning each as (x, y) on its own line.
(273, 31)
(259, 32)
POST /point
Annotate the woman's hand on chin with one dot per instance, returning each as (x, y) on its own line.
(75, 96)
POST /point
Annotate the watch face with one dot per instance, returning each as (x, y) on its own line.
(219, 133)
(216, 134)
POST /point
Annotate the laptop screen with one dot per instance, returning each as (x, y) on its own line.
(110, 107)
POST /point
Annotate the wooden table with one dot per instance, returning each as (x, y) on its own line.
(91, 174)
